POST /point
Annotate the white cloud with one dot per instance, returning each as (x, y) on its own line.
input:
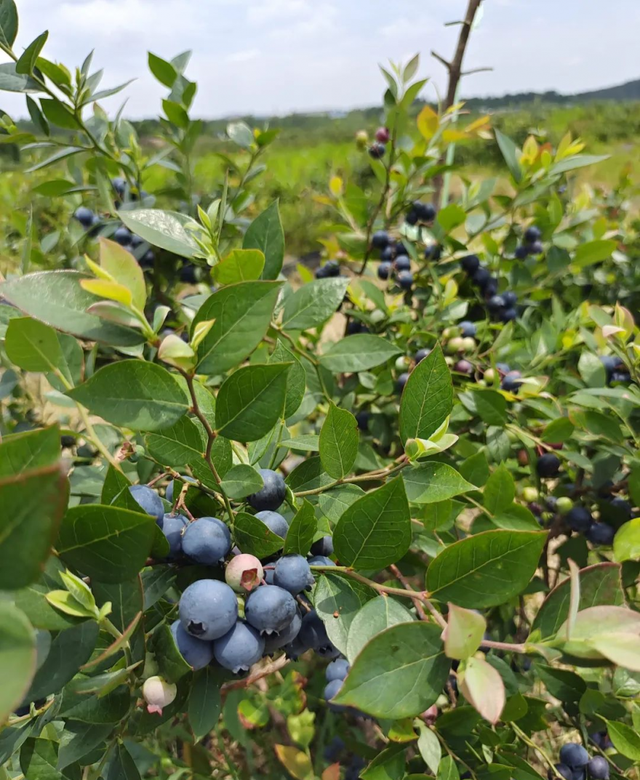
(243, 56)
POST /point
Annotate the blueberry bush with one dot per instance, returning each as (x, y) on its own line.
(380, 523)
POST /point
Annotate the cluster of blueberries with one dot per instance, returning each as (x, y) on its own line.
(211, 625)
(575, 764)
(379, 146)
(501, 307)
(531, 244)
(395, 261)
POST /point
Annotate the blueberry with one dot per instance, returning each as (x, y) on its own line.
(332, 268)
(548, 465)
(600, 533)
(243, 573)
(171, 487)
(239, 649)
(611, 364)
(337, 670)
(401, 381)
(275, 522)
(292, 573)
(598, 768)
(122, 236)
(402, 263)
(148, 500)
(323, 546)
(400, 248)
(321, 273)
(481, 277)
(355, 326)
(295, 649)
(208, 609)
(433, 252)
(388, 254)
(470, 264)
(320, 560)
(285, 637)
(503, 368)
(468, 329)
(536, 248)
(511, 381)
(495, 304)
(119, 185)
(148, 259)
(270, 609)
(621, 376)
(362, 418)
(421, 354)
(332, 751)
(508, 315)
(313, 634)
(412, 217)
(269, 572)
(463, 367)
(564, 770)
(172, 527)
(521, 252)
(377, 150)
(272, 494)
(136, 241)
(188, 274)
(380, 239)
(66, 441)
(84, 216)
(623, 506)
(196, 652)
(405, 279)
(532, 234)
(332, 689)
(206, 540)
(385, 270)
(579, 519)
(573, 755)
(510, 298)
(489, 288)
(426, 212)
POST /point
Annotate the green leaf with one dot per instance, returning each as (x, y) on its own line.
(251, 401)
(32, 504)
(79, 739)
(499, 491)
(313, 303)
(32, 345)
(56, 113)
(29, 56)
(296, 378)
(241, 481)
(429, 747)
(56, 298)
(390, 764)
(205, 701)
(12, 81)
(178, 445)
(170, 661)
(625, 740)
(562, 684)
(162, 70)
(489, 405)
(242, 314)
(266, 234)
(333, 503)
(427, 398)
(591, 370)
(486, 569)
(134, 394)
(448, 769)
(358, 353)
(122, 766)
(600, 585)
(240, 265)
(106, 542)
(70, 649)
(464, 632)
(510, 153)
(165, 229)
(338, 600)
(399, 673)
(17, 657)
(434, 482)
(39, 759)
(516, 518)
(594, 252)
(451, 216)
(122, 266)
(28, 451)
(8, 22)
(302, 530)
(626, 543)
(375, 616)
(338, 442)
(375, 531)
(252, 536)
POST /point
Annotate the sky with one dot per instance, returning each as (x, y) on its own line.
(273, 57)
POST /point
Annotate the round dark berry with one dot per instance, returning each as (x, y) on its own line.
(468, 329)
(470, 264)
(274, 521)
(598, 768)
(385, 269)
(123, 236)
(188, 274)
(270, 609)
(532, 234)
(382, 135)
(425, 211)
(536, 248)
(337, 670)
(511, 381)
(463, 367)
(433, 252)
(495, 304)
(239, 649)
(579, 519)
(321, 273)
(508, 315)
(548, 465)
(119, 185)
(208, 609)
(402, 263)
(148, 500)
(481, 278)
(401, 381)
(421, 354)
(380, 239)
(332, 268)
(323, 546)
(405, 279)
(377, 150)
(206, 540)
(272, 494)
(84, 216)
(563, 770)
(388, 254)
(412, 217)
(601, 533)
(521, 252)
(621, 505)
(292, 573)
(510, 298)
(67, 440)
(573, 755)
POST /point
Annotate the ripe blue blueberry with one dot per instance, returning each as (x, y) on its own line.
(292, 573)
(405, 279)
(270, 609)
(272, 494)
(598, 768)
(321, 273)
(536, 248)
(573, 755)
(433, 252)
(532, 234)
(337, 670)
(377, 150)
(388, 254)
(173, 526)
(503, 368)
(563, 770)
(412, 217)
(470, 264)
(332, 689)
(323, 546)
(495, 304)
(332, 268)
(509, 315)
(84, 216)
(579, 519)
(481, 277)
(285, 637)
(119, 185)
(510, 298)
(521, 252)
(206, 540)
(600, 533)
(313, 635)
(188, 274)
(548, 465)
(239, 649)
(401, 381)
(380, 239)
(275, 522)
(622, 506)
(174, 485)
(208, 609)
(421, 354)
(362, 418)
(122, 236)
(320, 560)
(385, 269)
(196, 652)
(402, 263)
(426, 212)
(148, 500)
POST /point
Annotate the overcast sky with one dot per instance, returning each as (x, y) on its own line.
(277, 56)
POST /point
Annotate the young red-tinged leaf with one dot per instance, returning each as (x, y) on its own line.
(483, 688)
(297, 763)
(464, 632)
(622, 649)
(592, 627)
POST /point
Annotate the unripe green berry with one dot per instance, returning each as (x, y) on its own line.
(489, 376)
(402, 363)
(468, 344)
(456, 344)
(564, 505)
(530, 494)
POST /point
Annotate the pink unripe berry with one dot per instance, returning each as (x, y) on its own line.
(158, 693)
(382, 135)
(244, 573)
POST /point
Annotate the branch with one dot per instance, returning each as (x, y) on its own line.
(274, 666)
(475, 70)
(446, 63)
